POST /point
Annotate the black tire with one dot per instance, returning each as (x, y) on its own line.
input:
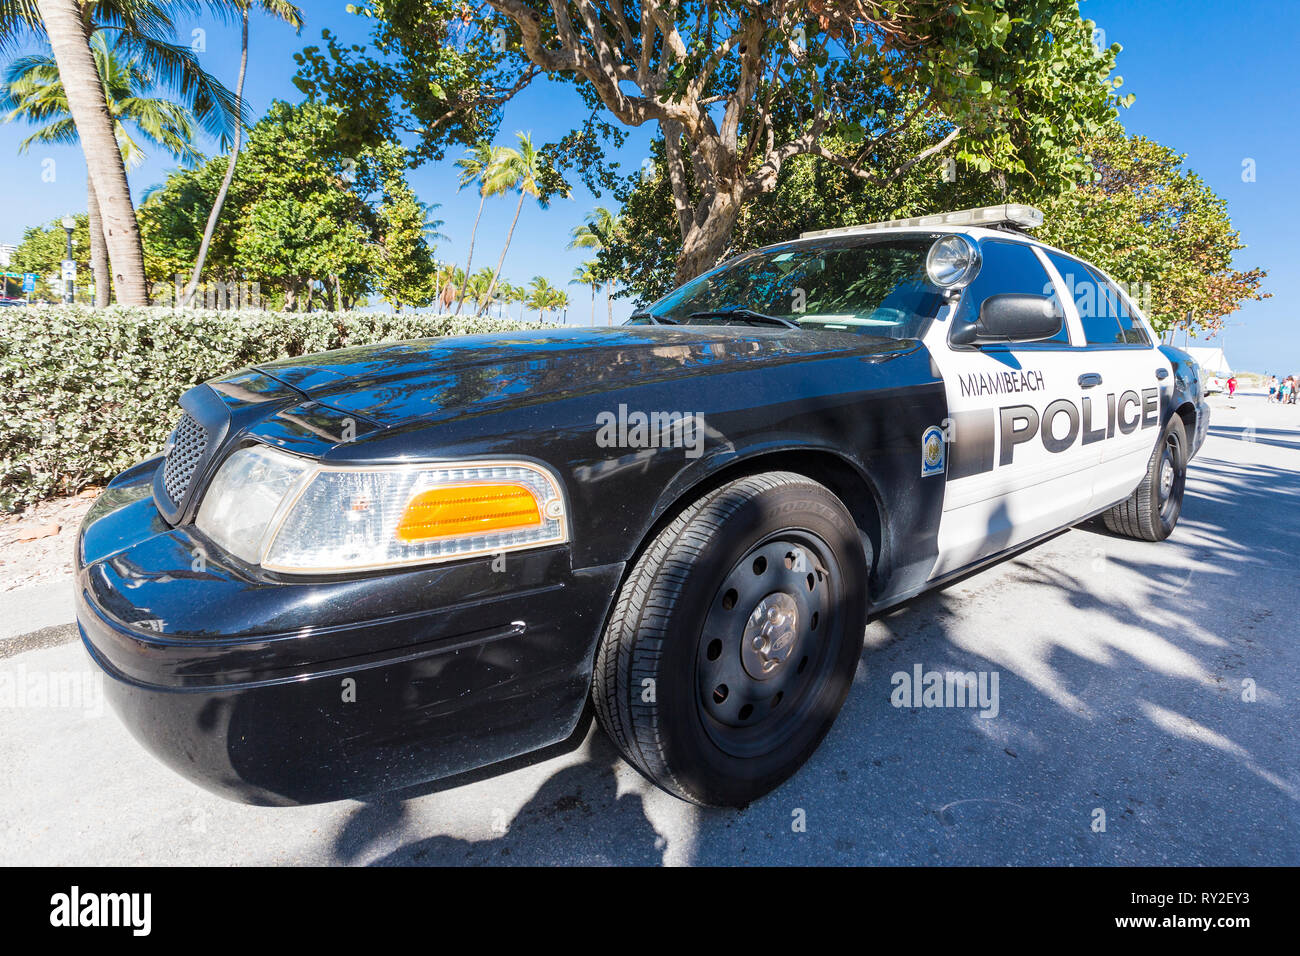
(675, 643)
(1151, 512)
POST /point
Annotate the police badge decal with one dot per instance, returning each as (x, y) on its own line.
(933, 458)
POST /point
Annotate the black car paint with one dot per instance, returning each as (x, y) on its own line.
(238, 678)
(1186, 397)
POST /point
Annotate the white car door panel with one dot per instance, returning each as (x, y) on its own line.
(1018, 466)
(1120, 351)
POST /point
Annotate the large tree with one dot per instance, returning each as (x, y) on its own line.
(303, 216)
(34, 92)
(740, 88)
(86, 103)
(1137, 212)
(146, 33)
(290, 14)
(1158, 228)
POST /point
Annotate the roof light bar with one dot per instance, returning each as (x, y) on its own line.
(1012, 213)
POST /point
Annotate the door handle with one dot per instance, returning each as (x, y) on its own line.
(1089, 380)
(1162, 373)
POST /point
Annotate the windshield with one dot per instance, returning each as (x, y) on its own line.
(871, 285)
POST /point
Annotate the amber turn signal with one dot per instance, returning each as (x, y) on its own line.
(458, 510)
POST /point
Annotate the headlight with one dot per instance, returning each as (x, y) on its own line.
(298, 516)
(243, 498)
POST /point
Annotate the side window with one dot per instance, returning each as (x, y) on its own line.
(1096, 301)
(1007, 267)
(1129, 324)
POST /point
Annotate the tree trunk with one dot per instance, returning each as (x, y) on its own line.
(707, 237)
(609, 304)
(215, 214)
(89, 109)
(482, 198)
(593, 305)
(98, 251)
(510, 235)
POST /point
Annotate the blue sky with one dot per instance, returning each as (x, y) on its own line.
(1214, 80)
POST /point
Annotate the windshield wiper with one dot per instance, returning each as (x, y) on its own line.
(656, 319)
(746, 314)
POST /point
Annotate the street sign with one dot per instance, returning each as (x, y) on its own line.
(29, 281)
(69, 270)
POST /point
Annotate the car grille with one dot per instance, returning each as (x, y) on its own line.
(189, 441)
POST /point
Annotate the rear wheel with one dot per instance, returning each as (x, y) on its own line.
(1151, 512)
(735, 639)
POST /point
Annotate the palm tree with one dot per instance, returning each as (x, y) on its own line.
(560, 303)
(146, 32)
(596, 233)
(292, 16)
(478, 288)
(538, 296)
(33, 91)
(544, 297)
(508, 294)
(512, 294)
(519, 169)
(585, 274)
(449, 278)
(478, 166)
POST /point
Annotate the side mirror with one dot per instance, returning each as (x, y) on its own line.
(1012, 317)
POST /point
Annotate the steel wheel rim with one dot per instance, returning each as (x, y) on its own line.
(765, 648)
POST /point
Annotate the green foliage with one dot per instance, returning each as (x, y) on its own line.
(1140, 216)
(42, 251)
(1156, 227)
(90, 392)
(740, 89)
(33, 91)
(431, 57)
(640, 247)
(303, 216)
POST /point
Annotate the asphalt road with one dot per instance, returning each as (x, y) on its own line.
(1157, 684)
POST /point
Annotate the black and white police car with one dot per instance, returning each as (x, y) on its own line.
(369, 568)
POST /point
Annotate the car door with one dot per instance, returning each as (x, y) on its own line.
(1127, 371)
(1016, 465)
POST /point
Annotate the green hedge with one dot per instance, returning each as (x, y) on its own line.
(88, 393)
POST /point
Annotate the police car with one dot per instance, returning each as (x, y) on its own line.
(369, 568)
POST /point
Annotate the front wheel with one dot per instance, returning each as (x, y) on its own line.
(1152, 511)
(735, 639)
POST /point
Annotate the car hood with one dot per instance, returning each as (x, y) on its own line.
(398, 382)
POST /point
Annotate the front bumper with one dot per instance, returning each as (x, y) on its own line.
(276, 691)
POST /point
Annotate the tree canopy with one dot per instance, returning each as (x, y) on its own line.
(1136, 213)
(739, 88)
(302, 214)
